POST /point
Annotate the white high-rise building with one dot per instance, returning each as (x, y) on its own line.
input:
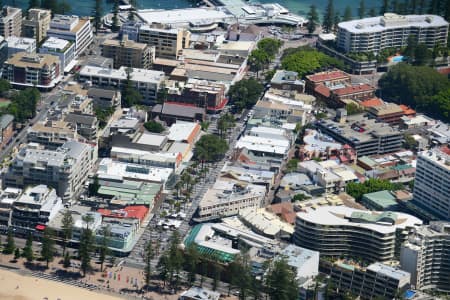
(391, 30)
(74, 29)
(427, 256)
(432, 182)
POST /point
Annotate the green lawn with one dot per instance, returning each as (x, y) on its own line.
(4, 103)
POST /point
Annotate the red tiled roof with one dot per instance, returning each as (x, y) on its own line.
(279, 207)
(445, 149)
(131, 212)
(444, 71)
(322, 90)
(407, 110)
(324, 76)
(289, 217)
(353, 89)
(372, 102)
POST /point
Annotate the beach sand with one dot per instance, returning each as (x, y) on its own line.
(18, 287)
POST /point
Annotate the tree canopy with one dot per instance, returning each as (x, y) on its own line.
(357, 190)
(245, 93)
(281, 281)
(210, 147)
(154, 126)
(328, 17)
(23, 104)
(270, 46)
(306, 60)
(313, 19)
(418, 86)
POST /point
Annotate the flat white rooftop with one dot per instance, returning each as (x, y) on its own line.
(137, 75)
(260, 144)
(181, 131)
(392, 21)
(340, 216)
(55, 43)
(179, 16)
(20, 42)
(129, 171)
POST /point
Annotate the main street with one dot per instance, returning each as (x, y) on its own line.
(159, 236)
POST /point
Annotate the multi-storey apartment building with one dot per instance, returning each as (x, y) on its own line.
(25, 69)
(51, 134)
(201, 93)
(63, 49)
(128, 53)
(37, 23)
(427, 256)
(366, 136)
(391, 30)
(432, 182)
(65, 169)
(340, 231)
(10, 21)
(74, 29)
(20, 44)
(147, 82)
(376, 281)
(7, 198)
(35, 208)
(168, 43)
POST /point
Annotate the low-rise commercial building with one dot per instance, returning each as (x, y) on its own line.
(426, 256)
(36, 24)
(266, 223)
(121, 193)
(147, 82)
(337, 231)
(105, 98)
(28, 70)
(390, 113)
(261, 146)
(64, 49)
(305, 262)
(64, 169)
(287, 80)
(173, 112)
(382, 200)
(228, 197)
(10, 21)
(74, 29)
(128, 53)
(147, 158)
(224, 240)
(328, 78)
(134, 172)
(35, 208)
(364, 135)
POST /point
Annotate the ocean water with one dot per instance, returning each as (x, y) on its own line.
(301, 7)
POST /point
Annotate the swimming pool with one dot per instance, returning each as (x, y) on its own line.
(409, 294)
(398, 58)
